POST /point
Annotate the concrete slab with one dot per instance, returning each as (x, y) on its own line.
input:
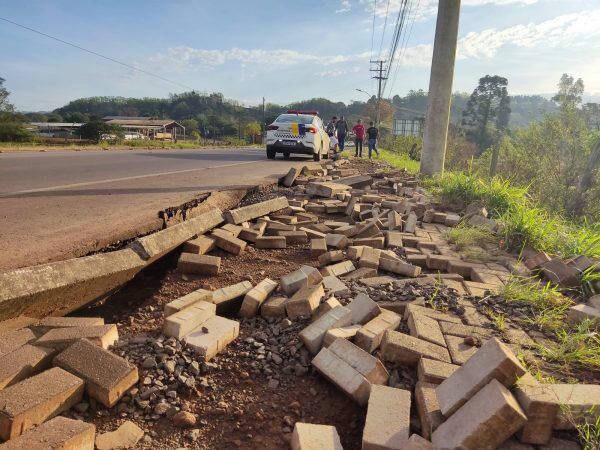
(247, 213)
(107, 376)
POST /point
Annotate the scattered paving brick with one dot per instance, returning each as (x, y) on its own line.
(107, 376)
(305, 301)
(334, 286)
(363, 309)
(227, 242)
(15, 339)
(255, 297)
(433, 371)
(201, 245)
(387, 426)
(16, 323)
(541, 408)
(366, 364)
(344, 332)
(493, 360)
(579, 402)
(60, 338)
(318, 246)
(271, 242)
(416, 442)
(428, 408)
(229, 295)
(404, 349)
(274, 307)
(184, 321)
(199, 264)
(187, 300)
(371, 333)
(312, 336)
(213, 336)
(24, 362)
(308, 436)
(304, 276)
(58, 433)
(490, 417)
(425, 328)
(33, 401)
(338, 269)
(460, 350)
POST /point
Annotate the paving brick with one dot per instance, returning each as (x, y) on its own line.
(33, 401)
(312, 336)
(184, 321)
(201, 245)
(437, 262)
(363, 309)
(375, 242)
(411, 223)
(256, 296)
(290, 177)
(560, 273)
(343, 332)
(399, 267)
(405, 349)
(493, 360)
(294, 237)
(107, 376)
(361, 272)
(462, 267)
(513, 444)
(459, 350)
(246, 213)
(541, 409)
(364, 363)
(16, 323)
(370, 335)
(490, 417)
(59, 433)
(377, 281)
(428, 408)
(416, 442)
(13, 340)
(274, 307)
(325, 307)
(325, 189)
(334, 286)
(434, 372)
(250, 234)
(266, 242)
(274, 226)
(437, 315)
(387, 425)
(308, 436)
(367, 230)
(578, 402)
(425, 328)
(460, 330)
(187, 300)
(369, 258)
(305, 301)
(126, 436)
(48, 323)
(24, 362)
(229, 295)
(338, 241)
(213, 336)
(344, 376)
(594, 301)
(199, 264)
(534, 262)
(61, 338)
(225, 241)
(581, 312)
(317, 247)
(338, 269)
(331, 257)
(304, 276)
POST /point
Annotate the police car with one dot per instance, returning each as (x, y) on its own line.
(298, 132)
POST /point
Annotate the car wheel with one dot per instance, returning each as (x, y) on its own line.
(317, 156)
(326, 154)
(286, 155)
(270, 153)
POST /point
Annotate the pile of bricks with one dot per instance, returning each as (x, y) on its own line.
(46, 367)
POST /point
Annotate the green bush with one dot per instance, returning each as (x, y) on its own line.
(14, 132)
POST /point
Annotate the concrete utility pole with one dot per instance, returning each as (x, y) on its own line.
(379, 77)
(440, 88)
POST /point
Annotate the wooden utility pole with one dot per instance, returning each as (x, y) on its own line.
(379, 77)
(433, 153)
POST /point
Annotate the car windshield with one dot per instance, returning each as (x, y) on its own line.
(295, 118)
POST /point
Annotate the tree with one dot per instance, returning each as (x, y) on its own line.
(190, 125)
(94, 130)
(5, 106)
(386, 111)
(252, 129)
(569, 92)
(488, 105)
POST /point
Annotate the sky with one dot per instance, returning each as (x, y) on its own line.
(285, 50)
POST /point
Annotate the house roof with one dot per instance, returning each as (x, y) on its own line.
(142, 122)
(55, 124)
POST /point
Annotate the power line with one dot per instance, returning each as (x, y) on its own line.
(387, 11)
(373, 34)
(404, 45)
(395, 40)
(96, 53)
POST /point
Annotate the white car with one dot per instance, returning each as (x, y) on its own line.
(299, 132)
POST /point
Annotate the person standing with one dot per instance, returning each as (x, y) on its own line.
(330, 128)
(359, 137)
(342, 129)
(372, 135)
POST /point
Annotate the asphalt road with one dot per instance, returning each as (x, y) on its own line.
(54, 204)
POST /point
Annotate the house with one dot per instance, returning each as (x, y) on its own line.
(63, 130)
(408, 122)
(148, 127)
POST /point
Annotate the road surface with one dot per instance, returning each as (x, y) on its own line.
(56, 204)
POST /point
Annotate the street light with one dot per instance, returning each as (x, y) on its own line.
(364, 92)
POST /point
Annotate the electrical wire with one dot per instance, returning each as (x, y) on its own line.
(96, 54)
(404, 45)
(373, 35)
(387, 11)
(395, 40)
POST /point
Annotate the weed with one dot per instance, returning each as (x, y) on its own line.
(498, 318)
(463, 236)
(399, 160)
(578, 347)
(589, 432)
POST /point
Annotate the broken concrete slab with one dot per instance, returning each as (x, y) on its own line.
(213, 336)
(308, 436)
(183, 322)
(363, 309)
(155, 245)
(107, 376)
(13, 340)
(405, 349)
(344, 376)
(60, 338)
(187, 300)
(493, 360)
(305, 301)
(371, 333)
(256, 296)
(199, 264)
(59, 433)
(33, 401)
(312, 336)
(247, 213)
(434, 372)
(428, 408)
(387, 425)
(126, 436)
(489, 418)
(24, 362)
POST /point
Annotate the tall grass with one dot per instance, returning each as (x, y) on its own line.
(400, 160)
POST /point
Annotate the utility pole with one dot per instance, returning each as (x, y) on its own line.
(264, 125)
(379, 77)
(433, 153)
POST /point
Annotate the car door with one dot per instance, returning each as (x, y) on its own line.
(323, 134)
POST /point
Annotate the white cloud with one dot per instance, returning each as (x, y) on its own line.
(345, 6)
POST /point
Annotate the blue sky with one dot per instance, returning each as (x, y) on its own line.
(284, 50)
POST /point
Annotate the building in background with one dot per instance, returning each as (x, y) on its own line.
(148, 128)
(63, 130)
(408, 122)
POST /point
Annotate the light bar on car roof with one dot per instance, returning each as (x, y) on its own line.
(311, 113)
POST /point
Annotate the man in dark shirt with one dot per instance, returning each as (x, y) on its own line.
(342, 128)
(372, 135)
